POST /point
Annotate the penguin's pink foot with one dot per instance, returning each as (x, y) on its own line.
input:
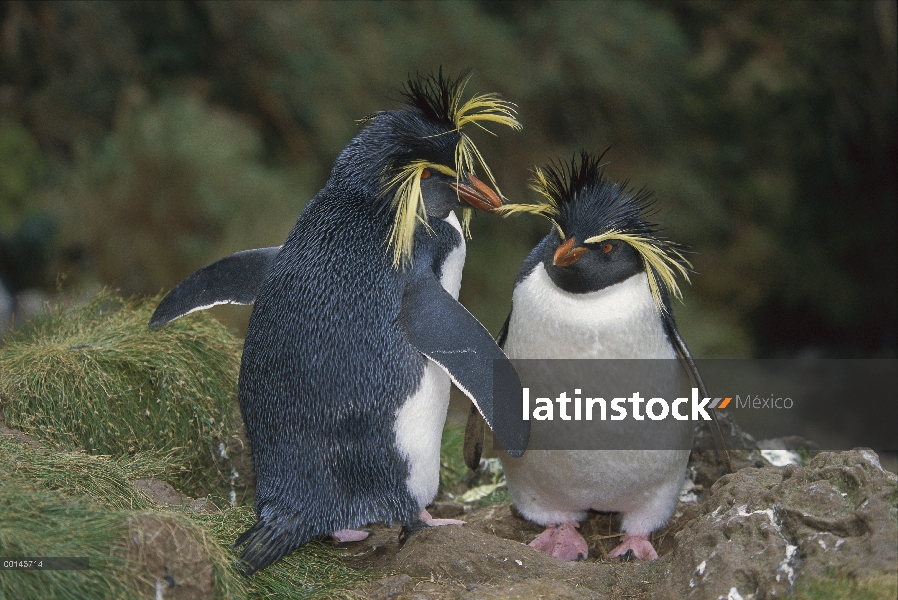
(349, 535)
(563, 542)
(431, 522)
(639, 544)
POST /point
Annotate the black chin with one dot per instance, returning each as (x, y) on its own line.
(439, 197)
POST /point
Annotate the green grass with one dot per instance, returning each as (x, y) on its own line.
(39, 522)
(96, 379)
(455, 477)
(103, 479)
(58, 503)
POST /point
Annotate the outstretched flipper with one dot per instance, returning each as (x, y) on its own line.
(234, 279)
(680, 345)
(445, 332)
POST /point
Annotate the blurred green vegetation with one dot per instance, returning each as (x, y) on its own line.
(157, 137)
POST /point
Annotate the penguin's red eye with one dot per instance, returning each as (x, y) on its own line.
(607, 248)
(425, 173)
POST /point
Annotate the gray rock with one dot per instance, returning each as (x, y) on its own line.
(763, 530)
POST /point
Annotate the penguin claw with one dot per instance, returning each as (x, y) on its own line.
(432, 522)
(627, 556)
(562, 541)
(637, 546)
(424, 521)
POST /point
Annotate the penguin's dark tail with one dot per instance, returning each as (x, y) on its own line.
(266, 544)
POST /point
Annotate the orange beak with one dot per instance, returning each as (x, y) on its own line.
(566, 254)
(478, 194)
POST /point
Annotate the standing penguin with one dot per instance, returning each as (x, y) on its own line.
(356, 331)
(596, 287)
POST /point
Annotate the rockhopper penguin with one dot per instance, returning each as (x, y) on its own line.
(356, 329)
(596, 287)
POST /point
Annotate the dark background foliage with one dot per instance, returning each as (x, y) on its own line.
(141, 140)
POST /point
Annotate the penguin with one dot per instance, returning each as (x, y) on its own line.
(596, 287)
(356, 330)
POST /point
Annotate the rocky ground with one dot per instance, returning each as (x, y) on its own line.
(826, 529)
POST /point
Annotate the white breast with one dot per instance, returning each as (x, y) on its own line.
(620, 321)
(454, 264)
(419, 422)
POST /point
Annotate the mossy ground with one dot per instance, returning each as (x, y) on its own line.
(841, 587)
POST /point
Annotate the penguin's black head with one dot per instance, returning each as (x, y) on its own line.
(418, 162)
(600, 235)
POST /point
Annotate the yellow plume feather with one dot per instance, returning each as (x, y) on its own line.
(660, 262)
(547, 209)
(408, 200)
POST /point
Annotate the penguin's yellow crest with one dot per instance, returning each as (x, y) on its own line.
(662, 262)
(583, 195)
(440, 99)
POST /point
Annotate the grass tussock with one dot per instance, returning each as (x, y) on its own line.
(75, 504)
(41, 522)
(96, 379)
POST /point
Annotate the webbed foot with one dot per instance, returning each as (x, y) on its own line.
(638, 544)
(562, 541)
(431, 522)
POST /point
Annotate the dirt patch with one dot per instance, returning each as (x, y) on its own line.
(164, 494)
(761, 531)
(168, 560)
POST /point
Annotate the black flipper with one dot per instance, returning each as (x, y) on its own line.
(680, 344)
(445, 332)
(474, 430)
(234, 279)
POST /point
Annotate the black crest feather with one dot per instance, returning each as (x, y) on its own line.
(581, 202)
(436, 96)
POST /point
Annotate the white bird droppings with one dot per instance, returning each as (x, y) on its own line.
(732, 595)
(781, 458)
